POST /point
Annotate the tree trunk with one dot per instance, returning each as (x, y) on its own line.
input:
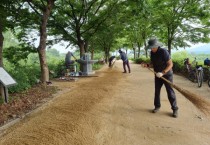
(145, 44)
(169, 45)
(42, 43)
(106, 50)
(92, 54)
(134, 52)
(139, 49)
(169, 48)
(170, 38)
(1, 45)
(86, 46)
(1, 55)
(81, 45)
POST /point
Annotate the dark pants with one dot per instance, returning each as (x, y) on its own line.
(170, 92)
(110, 63)
(126, 63)
(67, 64)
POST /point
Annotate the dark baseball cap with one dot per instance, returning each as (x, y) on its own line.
(153, 43)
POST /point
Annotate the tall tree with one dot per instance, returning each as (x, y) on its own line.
(136, 18)
(179, 22)
(39, 13)
(104, 40)
(78, 21)
(7, 12)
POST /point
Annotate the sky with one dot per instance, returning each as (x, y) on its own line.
(191, 47)
(62, 48)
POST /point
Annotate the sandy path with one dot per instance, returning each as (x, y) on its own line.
(113, 109)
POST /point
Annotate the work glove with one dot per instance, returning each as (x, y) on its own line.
(159, 74)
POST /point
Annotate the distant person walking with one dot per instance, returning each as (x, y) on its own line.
(125, 60)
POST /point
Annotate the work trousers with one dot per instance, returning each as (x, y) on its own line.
(67, 64)
(170, 92)
(124, 66)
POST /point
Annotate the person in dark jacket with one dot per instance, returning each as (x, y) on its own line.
(162, 64)
(111, 60)
(68, 60)
(125, 60)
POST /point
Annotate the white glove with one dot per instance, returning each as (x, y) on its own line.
(159, 74)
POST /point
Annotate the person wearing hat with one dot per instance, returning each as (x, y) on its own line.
(125, 60)
(162, 64)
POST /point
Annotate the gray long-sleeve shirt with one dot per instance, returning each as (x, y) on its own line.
(123, 56)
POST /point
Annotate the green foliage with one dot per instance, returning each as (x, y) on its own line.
(103, 25)
(58, 68)
(97, 66)
(87, 18)
(9, 40)
(7, 9)
(178, 60)
(1, 100)
(141, 59)
(28, 73)
(25, 76)
(179, 22)
(15, 54)
(98, 56)
(14, 51)
(53, 52)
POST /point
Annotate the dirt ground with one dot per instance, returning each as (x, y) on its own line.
(112, 109)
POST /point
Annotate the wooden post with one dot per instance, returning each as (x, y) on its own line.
(5, 95)
(2, 91)
(5, 81)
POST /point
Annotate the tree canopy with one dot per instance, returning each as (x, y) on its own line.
(101, 25)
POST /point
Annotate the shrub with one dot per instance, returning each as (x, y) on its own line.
(142, 59)
(25, 76)
(178, 61)
(97, 66)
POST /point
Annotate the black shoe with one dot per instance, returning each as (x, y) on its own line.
(124, 72)
(175, 113)
(155, 110)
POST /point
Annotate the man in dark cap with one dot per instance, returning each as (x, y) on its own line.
(162, 63)
(125, 60)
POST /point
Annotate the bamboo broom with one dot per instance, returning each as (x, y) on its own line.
(197, 100)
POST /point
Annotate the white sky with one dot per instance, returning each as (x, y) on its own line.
(62, 48)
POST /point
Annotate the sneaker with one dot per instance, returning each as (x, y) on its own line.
(155, 110)
(124, 72)
(175, 113)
